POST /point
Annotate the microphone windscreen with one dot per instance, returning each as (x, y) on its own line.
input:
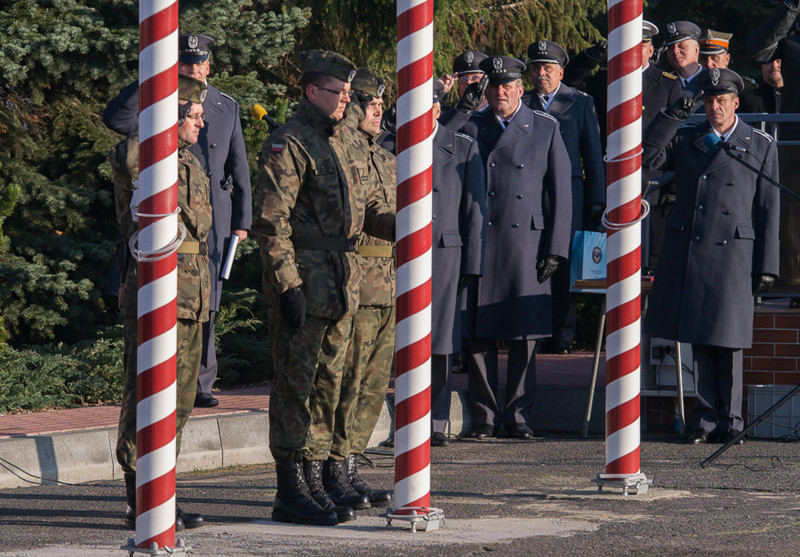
(257, 111)
(712, 140)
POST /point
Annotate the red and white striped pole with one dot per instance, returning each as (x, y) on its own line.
(413, 230)
(157, 297)
(623, 222)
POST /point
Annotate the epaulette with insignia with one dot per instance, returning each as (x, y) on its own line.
(750, 79)
(584, 93)
(766, 136)
(229, 97)
(669, 75)
(545, 114)
(464, 136)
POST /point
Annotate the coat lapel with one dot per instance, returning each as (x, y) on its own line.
(519, 127)
(444, 146)
(561, 102)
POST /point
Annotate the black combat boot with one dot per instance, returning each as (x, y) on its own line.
(293, 502)
(377, 498)
(313, 472)
(182, 519)
(334, 478)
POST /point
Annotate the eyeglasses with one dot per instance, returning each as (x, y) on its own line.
(340, 94)
(196, 117)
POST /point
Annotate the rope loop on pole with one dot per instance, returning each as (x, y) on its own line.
(157, 255)
(616, 226)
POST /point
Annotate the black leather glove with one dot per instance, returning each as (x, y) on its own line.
(685, 106)
(546, 267)
(293, 307)
(598, 51)
(473, 95)
(593, 217)
(762, 283)
(466, 280)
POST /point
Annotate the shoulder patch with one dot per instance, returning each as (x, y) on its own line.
(464, 136)
(669, 75)
(546, 115)
(227, 96)
(764, 134)
(276, 147)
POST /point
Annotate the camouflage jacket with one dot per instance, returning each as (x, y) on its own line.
(194, 280)
(377, 286)
(315, 181)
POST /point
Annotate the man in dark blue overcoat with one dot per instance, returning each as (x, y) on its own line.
(528, 219)
(721, 245)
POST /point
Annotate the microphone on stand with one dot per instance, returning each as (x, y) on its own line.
(260, 113)
(713, 141)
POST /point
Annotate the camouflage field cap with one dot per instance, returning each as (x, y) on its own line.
(194, 49)
(328, 63)
(191, 89)
(718, 81)
(368, 82)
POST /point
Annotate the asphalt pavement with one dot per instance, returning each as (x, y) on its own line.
(501, 497)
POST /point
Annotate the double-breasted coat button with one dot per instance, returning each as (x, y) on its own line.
(213, 145)
(489, 223)
(726, 212)
(515, 225)
(696, 238)
(491, 194)
(435, 189)
(699, 207)
(492, 165)
(519, 196)
(520, 166)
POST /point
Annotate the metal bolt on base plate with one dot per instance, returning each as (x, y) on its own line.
(638, 482)
(179, 549)
(425, 518)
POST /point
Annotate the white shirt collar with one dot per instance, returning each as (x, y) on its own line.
(691, 77)
(730, 131)
(502, 121)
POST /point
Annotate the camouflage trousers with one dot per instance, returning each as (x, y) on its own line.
(190, 345)
(369, 367)
(309, 364)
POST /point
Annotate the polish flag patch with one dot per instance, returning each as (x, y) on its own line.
(277, 147)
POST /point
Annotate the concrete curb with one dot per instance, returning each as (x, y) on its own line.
(239, 439)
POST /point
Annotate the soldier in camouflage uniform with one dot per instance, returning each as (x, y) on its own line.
(193, 282)
(315, 194)
(369, 359)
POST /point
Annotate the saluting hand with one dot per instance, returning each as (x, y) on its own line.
(473, 96)
(685, 106)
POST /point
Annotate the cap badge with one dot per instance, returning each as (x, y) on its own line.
(381, 89)
(543, 47)
(497, 63)
(350, 76)
(193, 41)
(714, 74)
(469, 57)
(671, 28)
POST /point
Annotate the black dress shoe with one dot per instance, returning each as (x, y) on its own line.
(483, 432)
(190, 520)
(439, 439)
(697, 437)
(561, 347)
(520, 431)
(730, 435)
(205, 400)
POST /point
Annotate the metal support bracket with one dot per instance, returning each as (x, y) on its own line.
(179, 549)
(638, 482)
(423, 518)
